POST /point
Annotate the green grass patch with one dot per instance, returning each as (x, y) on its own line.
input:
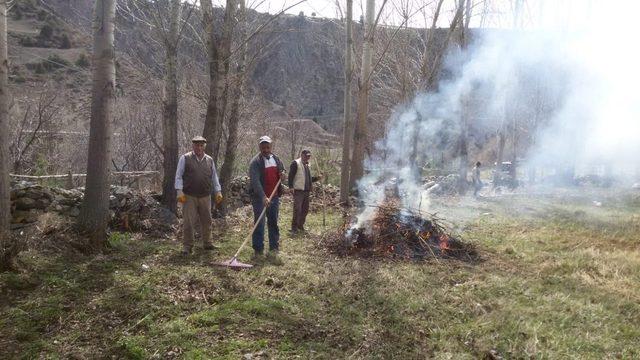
(560, 279)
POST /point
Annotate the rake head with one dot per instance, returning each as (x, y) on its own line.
(234, 264)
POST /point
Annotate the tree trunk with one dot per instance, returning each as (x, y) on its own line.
(463, 152)
(226, 172)
(427, 63)
(170, 108)
(94, 216)
(500, 155)
(348, 122)
(211, 118)
(360, 135)
(6, 246)
(219, 62)
(223, 72)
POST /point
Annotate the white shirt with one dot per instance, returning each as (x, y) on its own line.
(214, 174)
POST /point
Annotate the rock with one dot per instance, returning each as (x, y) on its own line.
(121, 191)
(74, 212)
(164, 216)
(20, 216)
(25, 203)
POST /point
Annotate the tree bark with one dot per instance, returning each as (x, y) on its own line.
(170, 108)
(6, 246)
(94, 216)
(222, 82)
(360, 135)
(226, 172)
(463, 152)
(348, 122)
(211, 118)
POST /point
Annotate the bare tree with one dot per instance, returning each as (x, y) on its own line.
(7, 248)
(226, 172)
(34, 124)
(171, 39)
(219, 54)
(348, 122)
(360, 134)
(94, 216)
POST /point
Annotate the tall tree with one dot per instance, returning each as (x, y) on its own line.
(219, 53)
(464, 6)
(171, 40)
(94, 216)
(211, 126)
(348, 122)
(226, 172)
(364, 84)
(6, 246)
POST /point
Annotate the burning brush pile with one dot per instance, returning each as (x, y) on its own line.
(398, 233)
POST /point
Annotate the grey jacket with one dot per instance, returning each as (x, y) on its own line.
(256, 176)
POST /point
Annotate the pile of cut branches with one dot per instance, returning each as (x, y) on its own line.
(399, 233)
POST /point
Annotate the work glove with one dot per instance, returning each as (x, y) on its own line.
(181, 197)
(218, 198)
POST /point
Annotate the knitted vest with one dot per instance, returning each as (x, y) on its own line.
(197, 175)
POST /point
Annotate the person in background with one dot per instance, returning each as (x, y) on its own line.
(196, 179)
(265, 170)
(300, 180)
(475, 177)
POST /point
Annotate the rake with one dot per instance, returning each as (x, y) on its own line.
(233, 263)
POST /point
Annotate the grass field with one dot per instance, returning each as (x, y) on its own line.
(560, 278)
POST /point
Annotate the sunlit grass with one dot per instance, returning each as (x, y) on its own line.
(559, 279)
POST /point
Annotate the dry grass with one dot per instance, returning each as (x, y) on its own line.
(561, 280)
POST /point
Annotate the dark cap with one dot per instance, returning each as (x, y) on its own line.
(306, 152)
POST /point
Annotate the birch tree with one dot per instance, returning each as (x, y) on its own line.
(94, 217)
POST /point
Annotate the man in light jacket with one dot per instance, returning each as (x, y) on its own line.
(300, 180)
(196, 180)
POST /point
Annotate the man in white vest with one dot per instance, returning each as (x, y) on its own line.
(300, 180)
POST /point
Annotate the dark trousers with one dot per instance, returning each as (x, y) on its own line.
(272, 223)
(300, 209)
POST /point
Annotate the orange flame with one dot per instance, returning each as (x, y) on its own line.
(444, 242)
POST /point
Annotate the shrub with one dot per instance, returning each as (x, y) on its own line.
(65, 42)
(83, 61)
(46, 32)
(42, 15)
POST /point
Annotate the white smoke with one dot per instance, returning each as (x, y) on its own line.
(574, 91)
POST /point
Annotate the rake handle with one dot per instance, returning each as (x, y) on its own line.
(255, 225)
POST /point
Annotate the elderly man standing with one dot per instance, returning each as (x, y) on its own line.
(265, 170)
(300, 180)
(196, 180)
